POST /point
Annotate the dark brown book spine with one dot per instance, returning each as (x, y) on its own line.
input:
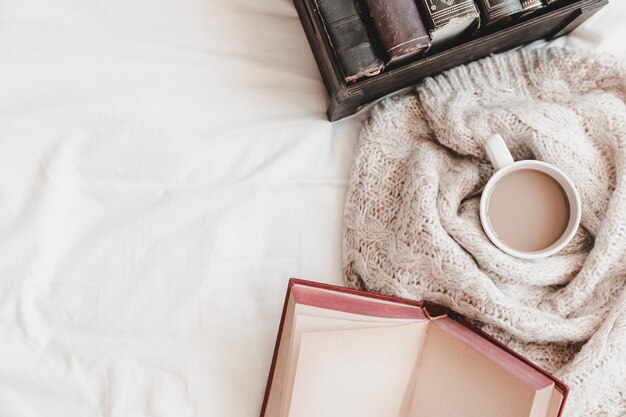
(497, 10)
(349, 38)
(399, 27)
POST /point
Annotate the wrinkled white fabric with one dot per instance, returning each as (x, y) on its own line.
(165, 167)
(412, 225)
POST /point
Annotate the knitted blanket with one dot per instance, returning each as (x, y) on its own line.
(412, 225)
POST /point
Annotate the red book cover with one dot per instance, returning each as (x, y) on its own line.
(340, 299)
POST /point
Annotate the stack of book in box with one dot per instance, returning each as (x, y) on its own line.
(366, 49)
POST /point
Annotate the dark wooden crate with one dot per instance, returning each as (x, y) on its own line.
(550, 22)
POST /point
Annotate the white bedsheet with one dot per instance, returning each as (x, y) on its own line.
(165, 167)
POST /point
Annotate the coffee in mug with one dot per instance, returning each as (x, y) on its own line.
(529, 209)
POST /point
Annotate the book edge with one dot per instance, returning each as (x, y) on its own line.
(279, 335)
(431, 310)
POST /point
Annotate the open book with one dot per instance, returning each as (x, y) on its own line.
(347, 353)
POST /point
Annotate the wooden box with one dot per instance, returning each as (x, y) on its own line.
(549, 22)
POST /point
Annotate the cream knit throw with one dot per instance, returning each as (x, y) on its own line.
(411, 218)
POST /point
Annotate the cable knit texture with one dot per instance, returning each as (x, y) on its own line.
(412, 225)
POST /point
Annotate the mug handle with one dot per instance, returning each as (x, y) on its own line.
(497, 152)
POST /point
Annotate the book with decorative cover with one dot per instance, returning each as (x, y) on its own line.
(399, 27)
(497, 10)
(448, 19)
(529, 6)
(349, 38)
(348, 353)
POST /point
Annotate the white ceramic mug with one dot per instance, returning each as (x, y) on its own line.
(502, 161)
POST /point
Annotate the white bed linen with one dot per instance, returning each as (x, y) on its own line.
(165, 167)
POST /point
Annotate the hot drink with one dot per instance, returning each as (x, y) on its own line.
(528, 210)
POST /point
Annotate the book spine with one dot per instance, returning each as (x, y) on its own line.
(496, 10)
(400, 28)
(438, 13)
(531, 5)
(349, 39)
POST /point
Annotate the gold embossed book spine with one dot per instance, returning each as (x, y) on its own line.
(530, 6)
(447, 20)
(499, 10)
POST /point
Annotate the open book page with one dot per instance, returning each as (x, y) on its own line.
(350, 310)
(523, 371)
(357, 373)
(304, 323)
(555, 403)
(455, 378)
